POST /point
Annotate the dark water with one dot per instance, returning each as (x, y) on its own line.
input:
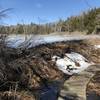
(50, 92)
(93, 96)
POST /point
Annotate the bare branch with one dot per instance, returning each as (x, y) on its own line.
(3, 13)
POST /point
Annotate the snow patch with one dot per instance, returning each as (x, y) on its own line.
(97, 46)
(71, 63)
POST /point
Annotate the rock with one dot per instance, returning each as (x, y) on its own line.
(75, 87)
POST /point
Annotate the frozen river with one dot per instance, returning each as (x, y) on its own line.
(18, 41)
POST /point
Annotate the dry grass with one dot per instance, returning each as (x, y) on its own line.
(11, 95)
(93, 87)
(33, 68)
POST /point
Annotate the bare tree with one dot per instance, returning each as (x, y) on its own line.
(3, 13)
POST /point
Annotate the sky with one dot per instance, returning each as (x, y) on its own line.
(44, 11)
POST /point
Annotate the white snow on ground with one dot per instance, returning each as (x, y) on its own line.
(17, 41)
(97, 46)
(72, 63)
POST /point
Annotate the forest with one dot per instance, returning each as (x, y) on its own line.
(88, 22)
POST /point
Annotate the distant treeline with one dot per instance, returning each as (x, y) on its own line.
(88, 22)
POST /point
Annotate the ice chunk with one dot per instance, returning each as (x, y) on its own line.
(68, 63)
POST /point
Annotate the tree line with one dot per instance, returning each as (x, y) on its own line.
(87, 22)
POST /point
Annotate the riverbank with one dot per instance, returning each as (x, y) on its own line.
(27, 70)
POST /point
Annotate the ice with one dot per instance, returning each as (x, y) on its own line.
(75, 56)
(15, 40)
(30, 40)
(68, 63)
(18, 41)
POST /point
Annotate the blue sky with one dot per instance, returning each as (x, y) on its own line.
(42, 11)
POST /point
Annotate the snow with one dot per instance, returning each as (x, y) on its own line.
(97, 46)
(18, 41)
(15, 40)
(71, 63)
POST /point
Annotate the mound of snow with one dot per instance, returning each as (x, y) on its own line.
(71, 63)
